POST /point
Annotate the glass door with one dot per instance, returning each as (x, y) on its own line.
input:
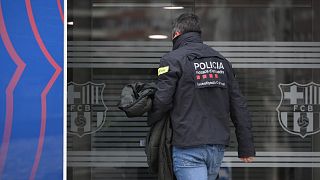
(273, 46)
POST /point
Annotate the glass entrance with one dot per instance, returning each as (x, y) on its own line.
(273, 46)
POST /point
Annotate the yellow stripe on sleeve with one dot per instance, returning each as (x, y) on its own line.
(163, 70)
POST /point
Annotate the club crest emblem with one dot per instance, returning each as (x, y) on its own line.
(86, 108)
(299, 108)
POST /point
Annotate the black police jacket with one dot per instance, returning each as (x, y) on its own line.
(136, 100)
(197, 85)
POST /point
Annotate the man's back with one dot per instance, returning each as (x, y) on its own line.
(200, 91)
(197, 86)
(200, 112)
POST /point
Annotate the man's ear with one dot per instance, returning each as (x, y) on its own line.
(176, 34)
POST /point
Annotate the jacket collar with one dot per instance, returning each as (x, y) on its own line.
(189, 37)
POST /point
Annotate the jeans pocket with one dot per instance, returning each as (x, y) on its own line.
(219, 147)
(219, 154)
(216, 156)
(218, 159)
(187, 157)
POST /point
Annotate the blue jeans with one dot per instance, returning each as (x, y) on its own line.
(197, 163)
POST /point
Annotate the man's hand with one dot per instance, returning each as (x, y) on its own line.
(247, 159)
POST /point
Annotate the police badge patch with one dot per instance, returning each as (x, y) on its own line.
(299, 108)
(209, 72)
(86, 108)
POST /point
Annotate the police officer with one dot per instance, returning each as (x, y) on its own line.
(197, 86)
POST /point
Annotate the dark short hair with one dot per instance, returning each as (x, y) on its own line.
(187, 22)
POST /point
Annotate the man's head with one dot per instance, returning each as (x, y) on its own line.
(187, 22)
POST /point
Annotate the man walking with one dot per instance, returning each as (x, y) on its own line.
(197, 86)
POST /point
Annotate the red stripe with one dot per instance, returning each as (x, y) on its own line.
(60, 10)
(45, 91)
(9, 90)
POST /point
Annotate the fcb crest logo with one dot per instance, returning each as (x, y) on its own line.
(299, 108)
(86, 108)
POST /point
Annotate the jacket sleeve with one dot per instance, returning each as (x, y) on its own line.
(241, 119)
(168, 76)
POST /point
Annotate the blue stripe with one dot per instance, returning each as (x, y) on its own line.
(27, 106)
